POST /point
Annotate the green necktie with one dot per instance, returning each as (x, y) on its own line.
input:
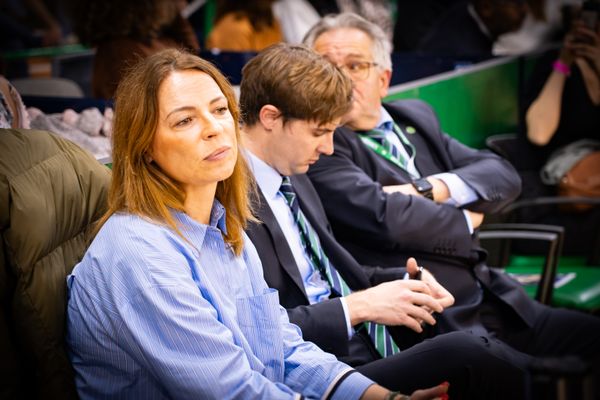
(319, 262)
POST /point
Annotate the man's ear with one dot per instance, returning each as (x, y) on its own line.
(384, 82)
(269, 116)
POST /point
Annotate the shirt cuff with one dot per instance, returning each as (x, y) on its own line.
(347, 317)
(352, 387)
(460, 192)
(469, 223)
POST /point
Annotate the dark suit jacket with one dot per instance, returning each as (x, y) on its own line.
(323, 323)
(457, 34)
(386, 229)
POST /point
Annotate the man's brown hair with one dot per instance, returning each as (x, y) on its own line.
(299, 82)
(139, 186)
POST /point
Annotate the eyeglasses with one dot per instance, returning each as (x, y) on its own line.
(358, 70)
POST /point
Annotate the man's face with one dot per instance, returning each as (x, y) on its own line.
(348, 47)
(297, 144)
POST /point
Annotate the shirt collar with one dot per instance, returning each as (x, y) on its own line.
(478, 21)
(268, 179)
(217, 219)
(385, 120)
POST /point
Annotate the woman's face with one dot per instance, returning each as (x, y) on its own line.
(195, 142)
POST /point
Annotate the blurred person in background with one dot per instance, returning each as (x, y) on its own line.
(543, 26)
(469, 29)
(562, 108)
(414, 19)
(242, 25)
(26, 24)
(124, 31)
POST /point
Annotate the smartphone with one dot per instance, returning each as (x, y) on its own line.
(589, 13)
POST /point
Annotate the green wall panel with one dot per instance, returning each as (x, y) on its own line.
(472, 103)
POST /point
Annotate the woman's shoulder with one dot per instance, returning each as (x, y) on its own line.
(134, 248)
(125, 222)
(122, 229)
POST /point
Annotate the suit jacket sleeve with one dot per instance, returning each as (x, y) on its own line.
(323, 324)
(350, 182)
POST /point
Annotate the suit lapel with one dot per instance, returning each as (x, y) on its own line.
(284, 254)
(407, 113)
(311, 207)
(307, 205)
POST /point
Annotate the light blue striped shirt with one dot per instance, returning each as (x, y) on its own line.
(151, 316)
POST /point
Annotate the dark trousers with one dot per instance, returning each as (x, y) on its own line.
(493, 366)
(555, 333)
(477, 367)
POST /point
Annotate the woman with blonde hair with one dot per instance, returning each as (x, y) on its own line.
(169, 300)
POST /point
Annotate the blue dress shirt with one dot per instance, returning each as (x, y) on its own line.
(152, 316)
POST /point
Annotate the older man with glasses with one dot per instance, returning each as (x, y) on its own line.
(396, 186)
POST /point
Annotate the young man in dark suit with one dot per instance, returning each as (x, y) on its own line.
(397, 186)
(291, 101)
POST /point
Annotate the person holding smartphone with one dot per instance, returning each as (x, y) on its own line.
(563, 106)
(573, 81)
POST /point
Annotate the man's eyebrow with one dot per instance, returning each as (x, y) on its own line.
(325, 130)
(355, 55)
(344, 56)
(188, 108)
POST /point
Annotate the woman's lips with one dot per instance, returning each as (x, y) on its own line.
(218, 154)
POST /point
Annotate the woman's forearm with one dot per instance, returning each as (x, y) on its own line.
(543, 115)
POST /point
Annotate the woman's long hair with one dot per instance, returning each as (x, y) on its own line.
(140, 187)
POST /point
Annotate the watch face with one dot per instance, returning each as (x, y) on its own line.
(423, 186)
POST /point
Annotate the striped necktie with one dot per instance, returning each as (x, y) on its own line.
(319, 262)
(379, 135)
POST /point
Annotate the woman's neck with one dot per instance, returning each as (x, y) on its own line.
(198, 203)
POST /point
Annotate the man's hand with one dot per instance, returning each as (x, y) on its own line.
(406, 188)
(437, 291)
(399, 302)
(376, 392)
(476, 218)
(436, 392)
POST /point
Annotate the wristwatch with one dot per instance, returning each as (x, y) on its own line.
(424, 188)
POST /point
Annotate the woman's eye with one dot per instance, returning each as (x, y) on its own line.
(221, 110)
(184, 122)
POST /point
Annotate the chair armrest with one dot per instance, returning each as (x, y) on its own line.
(553, 235)
(550, 200)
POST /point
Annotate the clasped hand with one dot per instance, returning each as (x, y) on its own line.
(401, 302)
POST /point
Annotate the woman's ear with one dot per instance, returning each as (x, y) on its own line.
(269, 116)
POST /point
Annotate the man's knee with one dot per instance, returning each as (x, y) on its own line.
(480, 350)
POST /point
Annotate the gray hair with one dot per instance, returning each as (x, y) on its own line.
(382, 47)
